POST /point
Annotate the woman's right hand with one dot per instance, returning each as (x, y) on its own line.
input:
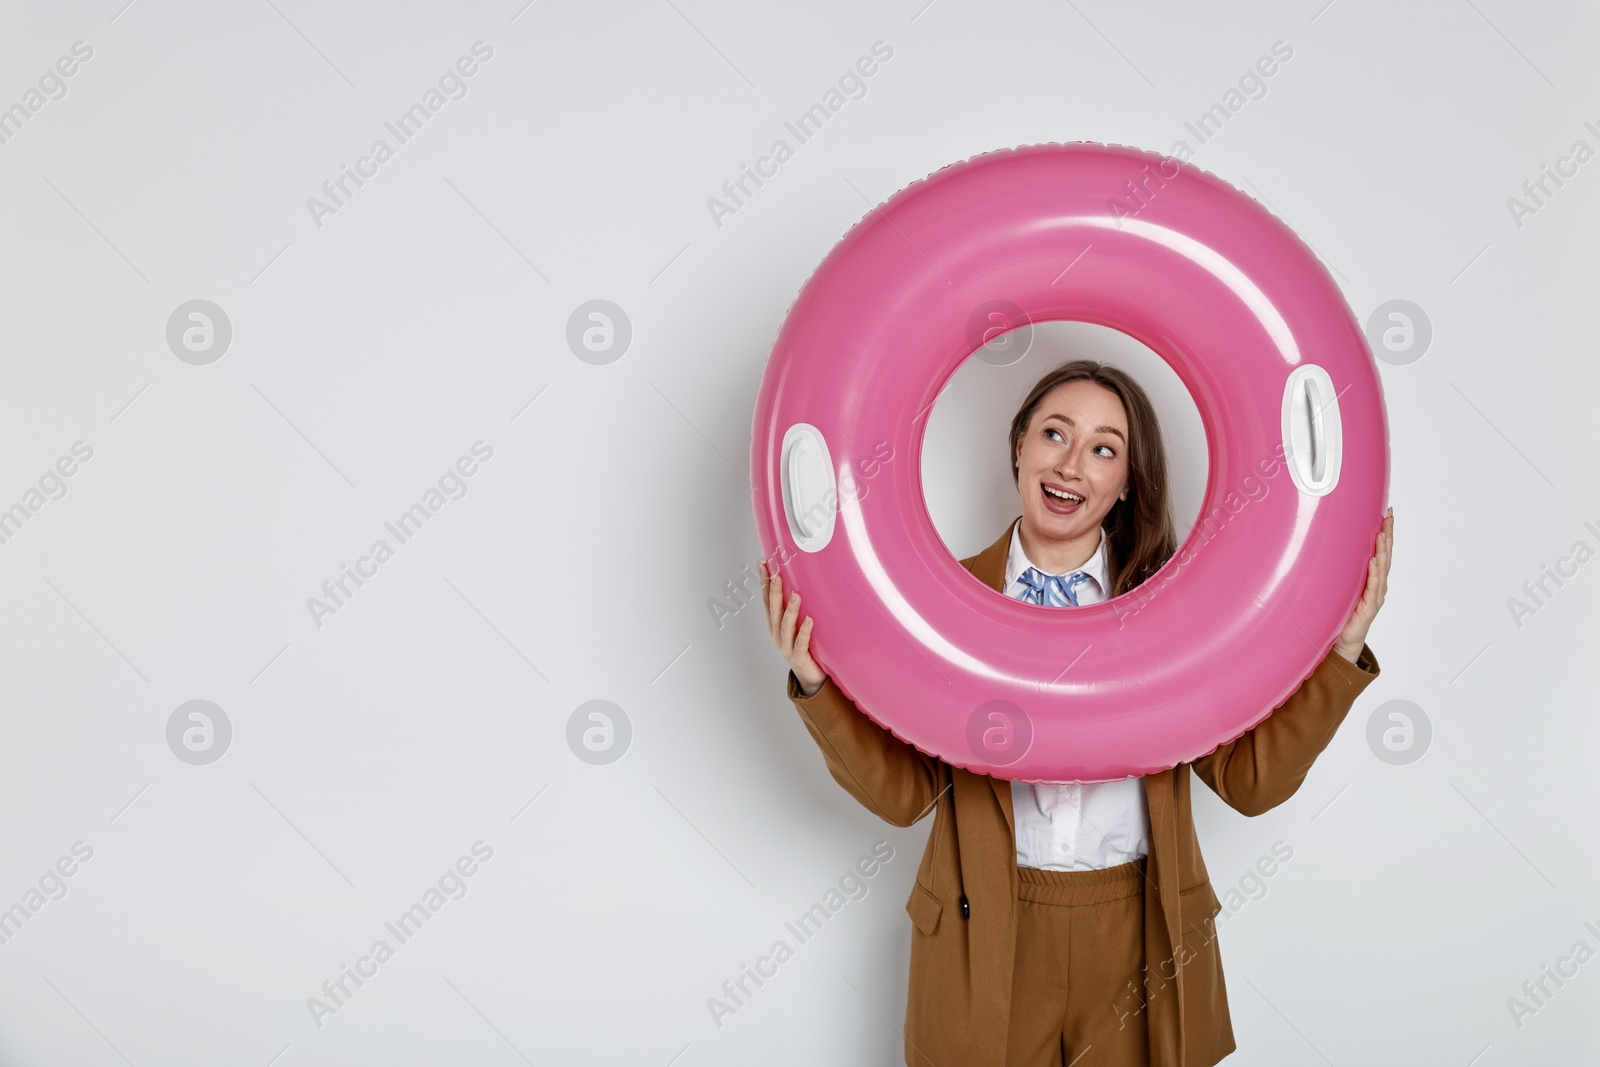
(795, 644)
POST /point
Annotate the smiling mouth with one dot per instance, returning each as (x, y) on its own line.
(1060, 501)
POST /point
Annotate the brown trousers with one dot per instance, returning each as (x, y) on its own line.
(1080, 942)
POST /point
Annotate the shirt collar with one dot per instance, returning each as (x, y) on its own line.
(1017, 561)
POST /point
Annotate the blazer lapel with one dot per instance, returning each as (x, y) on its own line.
(989, 567)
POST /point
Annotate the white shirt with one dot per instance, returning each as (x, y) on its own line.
(1076, 826)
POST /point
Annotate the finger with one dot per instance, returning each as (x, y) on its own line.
(783, 634)
(786, 628)
(802, 644)
(774, 602)
(768, 588)
(1364, 601)
(1385, 558)
(1378, 565)
(1385, 555)
(1369, 595)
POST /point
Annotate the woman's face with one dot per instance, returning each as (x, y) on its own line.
(1072, 462)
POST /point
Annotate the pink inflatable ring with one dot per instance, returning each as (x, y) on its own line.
(1287, 391)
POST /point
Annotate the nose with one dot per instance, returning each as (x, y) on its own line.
(1070, 460)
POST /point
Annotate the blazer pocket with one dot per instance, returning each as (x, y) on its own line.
(1198, 907)
(924, 908)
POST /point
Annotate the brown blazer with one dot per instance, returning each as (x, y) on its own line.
(959, 997)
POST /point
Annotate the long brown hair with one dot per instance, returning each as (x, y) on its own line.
(1139, 532)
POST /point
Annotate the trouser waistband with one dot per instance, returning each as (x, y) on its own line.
(1077, 888)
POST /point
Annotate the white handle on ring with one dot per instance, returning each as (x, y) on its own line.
(1312, 442)
(810, 493)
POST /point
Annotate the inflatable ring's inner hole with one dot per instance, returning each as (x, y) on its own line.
(966, 468)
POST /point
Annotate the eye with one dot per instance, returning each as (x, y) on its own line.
(1052, 430)
(1110, 452)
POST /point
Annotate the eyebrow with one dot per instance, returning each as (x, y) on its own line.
(1098, 429)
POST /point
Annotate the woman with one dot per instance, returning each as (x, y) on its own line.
(1072, 923)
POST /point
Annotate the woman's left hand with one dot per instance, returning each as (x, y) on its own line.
(1354, 635)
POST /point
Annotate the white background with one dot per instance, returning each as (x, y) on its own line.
(370, 352)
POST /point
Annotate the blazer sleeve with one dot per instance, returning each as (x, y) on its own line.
(1263, 768)
(891, 778)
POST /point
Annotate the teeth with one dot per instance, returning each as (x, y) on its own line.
(1071, 497)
